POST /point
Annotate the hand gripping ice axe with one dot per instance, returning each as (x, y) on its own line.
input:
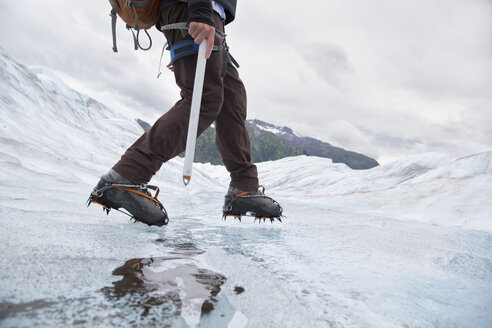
(195, 112)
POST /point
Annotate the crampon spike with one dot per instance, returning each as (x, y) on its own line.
(259, 218)
(264, 218)
(233, 215)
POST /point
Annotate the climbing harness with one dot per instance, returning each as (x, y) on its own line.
(189, 47)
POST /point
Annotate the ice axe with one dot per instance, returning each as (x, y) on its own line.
(196, 101)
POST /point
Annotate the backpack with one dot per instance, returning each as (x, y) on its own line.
(138, 15)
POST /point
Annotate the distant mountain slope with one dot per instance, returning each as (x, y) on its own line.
(265, 146)
(270, 142)
(314, 147)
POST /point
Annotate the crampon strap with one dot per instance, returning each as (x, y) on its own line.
(252, 191)
(137, 189)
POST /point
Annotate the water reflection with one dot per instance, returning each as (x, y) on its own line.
(167, 287)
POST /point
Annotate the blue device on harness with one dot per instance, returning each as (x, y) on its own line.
(182, 49)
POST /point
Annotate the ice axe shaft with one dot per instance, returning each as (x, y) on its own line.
(196, 101)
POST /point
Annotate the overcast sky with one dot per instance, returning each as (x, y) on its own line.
(387, 78)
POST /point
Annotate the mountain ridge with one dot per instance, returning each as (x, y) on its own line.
(315, 147)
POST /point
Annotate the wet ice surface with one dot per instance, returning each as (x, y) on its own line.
(402, 245)
(89, 273)
(319, 268)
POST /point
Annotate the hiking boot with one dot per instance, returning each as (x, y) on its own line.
(239, 202)
(114, 191)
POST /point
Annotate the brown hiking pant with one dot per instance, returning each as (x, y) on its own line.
(223, 101)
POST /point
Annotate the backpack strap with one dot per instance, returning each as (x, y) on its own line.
(136, 42)
(113, 15)
(133, 5)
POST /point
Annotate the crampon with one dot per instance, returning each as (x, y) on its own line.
(136, 200)
(251, 203)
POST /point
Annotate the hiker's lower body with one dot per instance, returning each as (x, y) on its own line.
(223, 101)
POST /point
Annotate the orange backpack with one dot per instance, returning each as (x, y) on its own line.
(138, 15)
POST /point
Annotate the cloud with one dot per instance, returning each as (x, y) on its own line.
(329, 61)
